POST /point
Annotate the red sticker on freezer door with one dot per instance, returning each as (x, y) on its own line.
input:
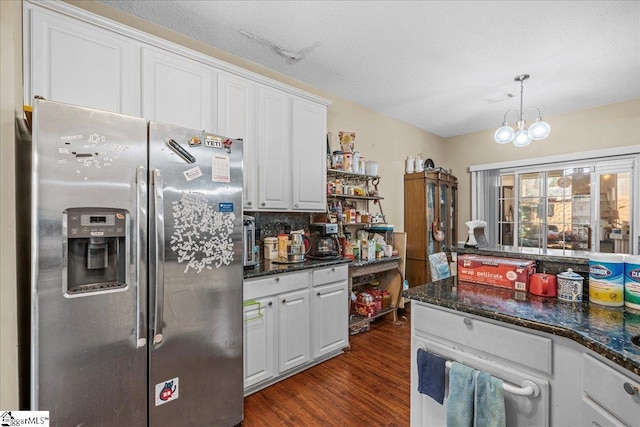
(167, 391)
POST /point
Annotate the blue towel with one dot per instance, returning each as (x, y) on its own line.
(489, 402)
(461, 393)
(431, 375)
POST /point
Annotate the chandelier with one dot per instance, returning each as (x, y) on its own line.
(523, 137)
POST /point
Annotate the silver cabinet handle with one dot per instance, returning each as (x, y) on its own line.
(140, 256)
(333, 269)
(277, 279)
(270, 303)
(284, 301)
(467, 321)
(630, 388)
(318, 294)
(295, 206)
(248, 203)
(263, 204)
(159, 256)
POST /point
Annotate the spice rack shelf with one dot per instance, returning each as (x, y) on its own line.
(345, 196)
(367, 184)
(355, 319)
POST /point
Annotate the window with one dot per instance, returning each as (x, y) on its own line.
(584, 205)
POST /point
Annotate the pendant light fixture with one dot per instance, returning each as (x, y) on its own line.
(523, 137)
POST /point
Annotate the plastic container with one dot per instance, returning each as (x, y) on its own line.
(371, 168)
(347, 162)
(632, 281)
(606, 279)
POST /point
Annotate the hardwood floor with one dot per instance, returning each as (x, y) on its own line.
(366, 386)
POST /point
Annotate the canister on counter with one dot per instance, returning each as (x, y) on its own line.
(270, 248)
(569, 286)
(283, 240)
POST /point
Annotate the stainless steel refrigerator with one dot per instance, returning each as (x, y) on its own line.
(136, 295)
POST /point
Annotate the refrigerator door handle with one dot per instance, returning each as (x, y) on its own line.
(139, 257)
(159, 255)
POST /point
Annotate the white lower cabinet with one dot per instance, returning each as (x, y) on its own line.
(281, 322)
(329, 310)
(610, 397)
(294, 340)
(473, 342)
(259, 334)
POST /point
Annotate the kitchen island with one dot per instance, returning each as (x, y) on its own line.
(605, 330)
(575, 363)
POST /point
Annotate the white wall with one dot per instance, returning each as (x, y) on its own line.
(10, 102)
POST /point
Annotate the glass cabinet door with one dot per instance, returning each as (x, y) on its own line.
(443, 220)
(431, 211)
(453, 227)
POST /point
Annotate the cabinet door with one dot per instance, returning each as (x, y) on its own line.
(237, 119)
(309, 155)
(177, 90)
(330, 318)
(69, 61)
(259, 344)
(274, 144)
(294, 346)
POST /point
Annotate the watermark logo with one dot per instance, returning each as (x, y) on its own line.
(24, 418)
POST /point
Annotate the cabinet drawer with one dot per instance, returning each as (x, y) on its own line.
(322, 276)
(524, 349)
(605, 386)
(594, 416)
(275, 284)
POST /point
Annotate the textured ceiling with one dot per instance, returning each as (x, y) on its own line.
(433, 64)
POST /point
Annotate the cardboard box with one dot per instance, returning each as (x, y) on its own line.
(510, 273)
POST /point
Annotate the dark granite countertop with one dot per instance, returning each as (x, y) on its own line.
(605, 330)
(268, 267)
(538, 254)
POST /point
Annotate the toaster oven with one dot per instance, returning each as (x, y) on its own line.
(250, 252)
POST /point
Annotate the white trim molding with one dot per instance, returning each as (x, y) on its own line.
(572, 157)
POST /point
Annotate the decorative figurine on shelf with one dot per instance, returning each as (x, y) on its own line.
(347, 141)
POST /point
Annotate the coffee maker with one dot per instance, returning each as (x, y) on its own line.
(324, 241)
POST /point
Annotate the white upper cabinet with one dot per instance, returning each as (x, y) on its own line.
(237, 112)
(274, 142)
(67, 60)
(309, 155)
(177, 90)
(74, 56)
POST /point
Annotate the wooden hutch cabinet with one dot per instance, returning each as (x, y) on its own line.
(430, 206)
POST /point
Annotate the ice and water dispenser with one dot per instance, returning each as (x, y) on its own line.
(96, 249)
